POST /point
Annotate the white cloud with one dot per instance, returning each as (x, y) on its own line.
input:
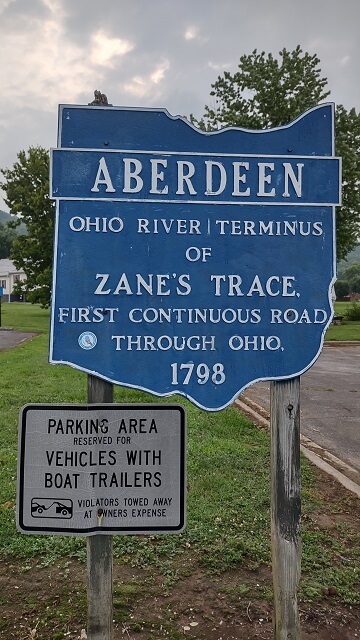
(142, 86)
(48, 65)
(220, 66)
(191, 33)
(44, 67)
(159, 73)
(137, 87)
(4, 4)
(55, 6)
(104, 48)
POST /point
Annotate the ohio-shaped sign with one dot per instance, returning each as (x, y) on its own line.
(191, 262)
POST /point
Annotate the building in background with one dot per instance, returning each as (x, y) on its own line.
(9, 275)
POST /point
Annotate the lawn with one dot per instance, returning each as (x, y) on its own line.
(228, 521)
(347, 330)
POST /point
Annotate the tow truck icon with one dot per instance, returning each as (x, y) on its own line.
(51, 508)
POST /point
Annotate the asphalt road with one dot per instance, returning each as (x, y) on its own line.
(10, 339)
(329, 402)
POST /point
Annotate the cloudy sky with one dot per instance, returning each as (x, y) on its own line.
(156, 53)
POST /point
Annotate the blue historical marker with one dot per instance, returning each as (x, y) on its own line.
(191, 262)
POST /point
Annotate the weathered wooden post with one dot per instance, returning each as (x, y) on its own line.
(285, 505)
(99, 551)
(99, 548)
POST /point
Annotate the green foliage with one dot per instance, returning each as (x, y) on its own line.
(353, 256)
(348, 148)
(8, 232)
(7, 237)
(26, 186)
(355, 284)
(352, 276)
(267, 92)
(5, 218)
(341, 288)
(341, 307)
(349, 276)
(353, 312)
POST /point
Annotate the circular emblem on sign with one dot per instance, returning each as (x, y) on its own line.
(87, 340)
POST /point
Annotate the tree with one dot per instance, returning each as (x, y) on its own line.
(352, 276)
(341, 288)
(26, 186)
(355, 285)
(348, 148)
(7, 237)
(352, 271)
(267, 92)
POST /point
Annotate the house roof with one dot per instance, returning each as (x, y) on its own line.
(7, 267)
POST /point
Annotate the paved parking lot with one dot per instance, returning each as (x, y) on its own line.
(10, 339)
(329, 402)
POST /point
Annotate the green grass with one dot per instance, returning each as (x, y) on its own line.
(347, 331)
(341, 307)
(25, 317)
(228, 484)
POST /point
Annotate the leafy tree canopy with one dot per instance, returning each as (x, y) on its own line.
(351, 275)
(26, 186)
(7, 237)
(354, 284)
(341, 288)
(348, 148)
(268, 92)
(351, 272)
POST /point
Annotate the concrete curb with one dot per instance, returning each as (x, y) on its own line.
(260, 416)
(342, 343)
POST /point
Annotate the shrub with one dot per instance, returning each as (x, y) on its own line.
(341, 288)
(353, 311)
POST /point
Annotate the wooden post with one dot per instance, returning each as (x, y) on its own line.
(99, 552)
(285, 505)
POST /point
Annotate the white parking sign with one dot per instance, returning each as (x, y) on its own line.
(93, 469)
